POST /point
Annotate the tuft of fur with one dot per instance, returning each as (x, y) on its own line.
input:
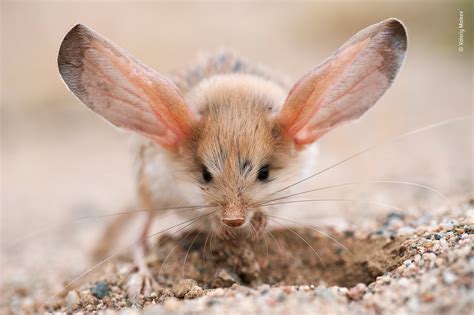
(234, 102)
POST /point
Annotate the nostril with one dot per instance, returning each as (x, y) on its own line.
(234, 222)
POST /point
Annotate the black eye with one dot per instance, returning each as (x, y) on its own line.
(263, 173)
(206, 175)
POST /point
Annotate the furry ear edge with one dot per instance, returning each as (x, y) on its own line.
(345, 85)
(111, 82)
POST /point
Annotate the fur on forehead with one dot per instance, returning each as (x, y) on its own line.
(245, 90)
(236, 128)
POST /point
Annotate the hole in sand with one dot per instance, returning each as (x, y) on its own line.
(282, 258)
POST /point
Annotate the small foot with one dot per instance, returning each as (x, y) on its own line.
(141, 280)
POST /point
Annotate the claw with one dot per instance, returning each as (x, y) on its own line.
(141, 282)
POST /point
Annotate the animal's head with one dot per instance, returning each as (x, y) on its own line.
(248, 130)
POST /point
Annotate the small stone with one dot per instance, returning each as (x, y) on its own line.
(405, 230)
(72, 300)
(264, 289)
(437, 236)
(403, 282)
(385, 279)
(428, 298)
(100, 290)
(449, 277)
(357, 292)
(343, 291)
(428, 244)
(217, 292)
(183, 287)
(224, 279)
(469, 229)
(429, 257)
(281, 297)
(349, 233)
(447, 226)
(171, 304)
(324, 292)
(417, 258)
(195, 292)
(212, 302)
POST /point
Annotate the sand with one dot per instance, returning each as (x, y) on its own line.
(407, 265)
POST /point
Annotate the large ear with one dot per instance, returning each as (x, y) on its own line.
(347, 84)
(127, 93)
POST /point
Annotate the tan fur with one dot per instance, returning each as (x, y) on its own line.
(226, 117)
(234, 128)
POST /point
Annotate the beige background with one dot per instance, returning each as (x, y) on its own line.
(60, 161)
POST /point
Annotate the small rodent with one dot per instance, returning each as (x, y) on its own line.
(226, 133)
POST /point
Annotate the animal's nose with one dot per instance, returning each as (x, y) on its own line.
(234, 222)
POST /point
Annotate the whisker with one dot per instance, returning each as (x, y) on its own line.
(204, 250)
(265, 238)
(187, 253)
(311, 227)
(210, 246)
(209, 235)
(341, 199)
(303, 239)
(254, 236)
(48, 228)
(252, 230)
(440, 194)
(88, 271)
(171, 252)
(386, 142)
(277, 243)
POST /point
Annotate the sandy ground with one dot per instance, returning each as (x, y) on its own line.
(60, 163)
(410, 264)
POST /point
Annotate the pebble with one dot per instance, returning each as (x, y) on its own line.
(407, 262)
(100, 290)
(281, 297)
(405, 230)
(403, 282)
(72, 300)
(183, 287)
(414, 287)
(469, 229)
(217, 292)
(323, 292)
(357, 292)
(449, 277)
(447, 226)
(385, 279)
(212, 302)
(224, 279)
(343, 291)
(264, 291)
(171, 304)
(195, 292)
(429, 256)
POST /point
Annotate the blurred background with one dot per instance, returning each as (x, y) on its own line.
(60, 161)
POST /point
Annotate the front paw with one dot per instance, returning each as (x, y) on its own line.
(141, 282)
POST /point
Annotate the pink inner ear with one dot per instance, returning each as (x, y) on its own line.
(164, 99)
(311, 93)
